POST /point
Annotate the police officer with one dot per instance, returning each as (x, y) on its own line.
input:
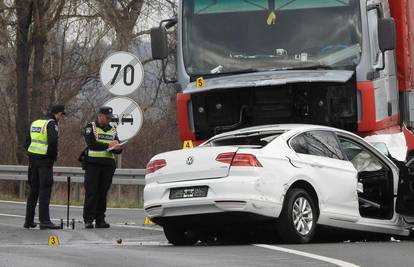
(102, 143)
(42, 147)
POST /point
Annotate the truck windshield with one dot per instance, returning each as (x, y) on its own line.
(229, 36)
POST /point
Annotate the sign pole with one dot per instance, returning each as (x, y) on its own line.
(68, 204)
(119, 163)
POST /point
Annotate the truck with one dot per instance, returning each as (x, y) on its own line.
(342, 63)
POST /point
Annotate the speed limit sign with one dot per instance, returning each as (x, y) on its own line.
(121, 73)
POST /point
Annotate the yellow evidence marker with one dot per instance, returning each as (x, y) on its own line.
(53, 241)
(188, 144)
(200, 83)
(147, 221)
(272, 18)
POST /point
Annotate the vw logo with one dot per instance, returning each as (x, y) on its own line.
(190, 160)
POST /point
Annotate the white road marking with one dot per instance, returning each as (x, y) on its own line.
(64, 206)
(22, 216)
(309, 255)
(113, 224)
(11, 215)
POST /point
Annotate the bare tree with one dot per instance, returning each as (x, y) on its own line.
(45, 15)
(7, 85)
(24, 10)
(60, 46)
(122, 15)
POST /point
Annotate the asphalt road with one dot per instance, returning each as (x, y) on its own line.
(146, 246)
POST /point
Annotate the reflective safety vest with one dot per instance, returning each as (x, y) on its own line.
(104, 137)
(38, 135)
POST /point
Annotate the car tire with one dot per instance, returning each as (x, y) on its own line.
(297, 221)
(180, 237)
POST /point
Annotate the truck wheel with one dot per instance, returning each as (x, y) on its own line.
(297, 221)
(180, 237)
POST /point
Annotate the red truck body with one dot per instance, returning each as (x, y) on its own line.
(403, 13)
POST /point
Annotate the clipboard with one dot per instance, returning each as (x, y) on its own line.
(122, 143)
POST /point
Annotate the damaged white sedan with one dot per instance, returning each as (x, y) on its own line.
(294, 177)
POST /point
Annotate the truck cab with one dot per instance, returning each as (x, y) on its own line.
(338, 63)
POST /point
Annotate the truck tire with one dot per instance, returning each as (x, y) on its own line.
(180, 237)
(297, 221)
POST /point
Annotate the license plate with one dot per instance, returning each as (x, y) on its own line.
(188, 192)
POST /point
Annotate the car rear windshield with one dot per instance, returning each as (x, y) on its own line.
(254, 140)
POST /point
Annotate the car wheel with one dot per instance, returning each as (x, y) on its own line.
(297, 222)
(180, 237)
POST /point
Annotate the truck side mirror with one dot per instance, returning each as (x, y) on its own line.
(386, 34)
(159, 42)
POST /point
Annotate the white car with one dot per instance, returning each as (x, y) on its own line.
(293, 176)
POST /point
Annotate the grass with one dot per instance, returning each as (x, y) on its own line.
(111, 203)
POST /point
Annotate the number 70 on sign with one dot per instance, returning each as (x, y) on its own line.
(121, 73)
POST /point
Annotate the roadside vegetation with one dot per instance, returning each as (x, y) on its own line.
(51, 52)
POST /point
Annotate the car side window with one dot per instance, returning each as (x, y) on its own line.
(360, 157)
(299, 144)
(317, 143)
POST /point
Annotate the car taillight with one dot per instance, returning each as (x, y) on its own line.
(226, 157)
(235, 159)
(245, 160)
(155, 165)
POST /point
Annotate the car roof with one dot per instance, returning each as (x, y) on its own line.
(293, 129)
(279, 127)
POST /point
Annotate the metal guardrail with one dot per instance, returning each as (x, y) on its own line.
(60, 174)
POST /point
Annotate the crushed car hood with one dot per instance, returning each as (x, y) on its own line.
(258, 79)
(395, 144)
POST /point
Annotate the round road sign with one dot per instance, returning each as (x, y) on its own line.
(127, 116)
(121, 73)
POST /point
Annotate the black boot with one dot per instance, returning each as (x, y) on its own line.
(88, 225)
(48, 225)
(102, 224)
(28, 225)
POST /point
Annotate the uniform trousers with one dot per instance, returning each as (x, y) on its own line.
(98, 180)
(40, 180)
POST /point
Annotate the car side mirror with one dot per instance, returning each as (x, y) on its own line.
(386, 34)
(159, 42)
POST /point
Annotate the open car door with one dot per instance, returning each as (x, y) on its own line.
(405, 194)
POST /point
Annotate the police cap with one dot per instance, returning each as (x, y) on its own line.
(107, 111)
(58, 108)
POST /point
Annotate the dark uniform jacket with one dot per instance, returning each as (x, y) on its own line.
(52, 142)
(92, 144)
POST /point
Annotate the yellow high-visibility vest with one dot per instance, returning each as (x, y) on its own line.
(38, 135)
(104, 137)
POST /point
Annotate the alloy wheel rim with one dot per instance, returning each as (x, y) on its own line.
(302, 216)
